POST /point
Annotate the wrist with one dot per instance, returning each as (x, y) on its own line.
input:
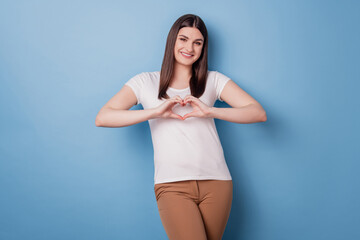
(211, 112)
(153, 113)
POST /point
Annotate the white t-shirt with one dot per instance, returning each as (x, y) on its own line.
(183, 149)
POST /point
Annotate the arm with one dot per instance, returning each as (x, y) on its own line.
(245, 109)
(109, 117)
(115, 112)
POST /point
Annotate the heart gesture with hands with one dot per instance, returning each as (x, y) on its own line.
(200, 109)
(164, 110)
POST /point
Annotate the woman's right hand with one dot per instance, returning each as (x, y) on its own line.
(164, 110)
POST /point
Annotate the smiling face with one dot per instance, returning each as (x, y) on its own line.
(188, 45)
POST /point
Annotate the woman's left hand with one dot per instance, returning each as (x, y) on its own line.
(200, 109)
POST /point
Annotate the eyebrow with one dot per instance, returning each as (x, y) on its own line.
(199, 39)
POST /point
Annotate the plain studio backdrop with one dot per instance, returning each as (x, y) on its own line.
(295, 176)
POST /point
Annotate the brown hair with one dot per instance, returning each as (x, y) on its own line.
(199, 68)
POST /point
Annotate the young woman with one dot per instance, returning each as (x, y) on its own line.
(192, 183)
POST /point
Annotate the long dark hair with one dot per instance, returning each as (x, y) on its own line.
(199, 68)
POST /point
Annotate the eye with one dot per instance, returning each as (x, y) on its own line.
(198, 43)
(182, 39)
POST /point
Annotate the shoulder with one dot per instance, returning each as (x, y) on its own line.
(220, 75)
(211, 73)
(150, 74)
(217, 76)
(144, 77)
(219, 81)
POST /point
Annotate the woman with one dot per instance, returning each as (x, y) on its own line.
(192, 183)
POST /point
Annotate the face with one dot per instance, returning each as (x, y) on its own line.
(189, 41)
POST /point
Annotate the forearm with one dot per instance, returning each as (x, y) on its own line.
(108, 117)
(248, 114)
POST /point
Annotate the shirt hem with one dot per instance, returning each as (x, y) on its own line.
(191, 178)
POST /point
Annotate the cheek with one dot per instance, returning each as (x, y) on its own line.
(177, 46)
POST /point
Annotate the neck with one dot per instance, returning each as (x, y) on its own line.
(182, 74)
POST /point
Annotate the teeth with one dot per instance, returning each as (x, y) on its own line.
(186, 54)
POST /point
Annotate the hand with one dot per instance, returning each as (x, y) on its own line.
(200, 109)
(164, 110)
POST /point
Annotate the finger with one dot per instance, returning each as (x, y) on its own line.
(174, 101)
(177, 97)
(189, 97)
(179, 101)
(194, 101)
(186, 97)
(173, 115)
(190, 114)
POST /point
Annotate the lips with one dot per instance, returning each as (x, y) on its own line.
(183, 53)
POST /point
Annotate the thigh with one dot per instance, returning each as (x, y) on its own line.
(215, 206)
(178, 211)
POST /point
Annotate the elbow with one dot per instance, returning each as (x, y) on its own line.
(264, 117)
(261, 113)
(98, 122)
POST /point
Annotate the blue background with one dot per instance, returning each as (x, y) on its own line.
(295, 176)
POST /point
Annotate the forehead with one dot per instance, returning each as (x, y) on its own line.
(190, 32)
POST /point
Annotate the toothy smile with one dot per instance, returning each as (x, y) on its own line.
(186, 54)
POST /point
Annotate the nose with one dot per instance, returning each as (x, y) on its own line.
(189, 47)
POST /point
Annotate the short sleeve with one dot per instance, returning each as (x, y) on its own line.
(220, 82)
(136, 83)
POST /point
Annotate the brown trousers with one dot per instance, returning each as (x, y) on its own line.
(194, 209)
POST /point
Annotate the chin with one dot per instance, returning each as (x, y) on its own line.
(187, 63)
(184, 62)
